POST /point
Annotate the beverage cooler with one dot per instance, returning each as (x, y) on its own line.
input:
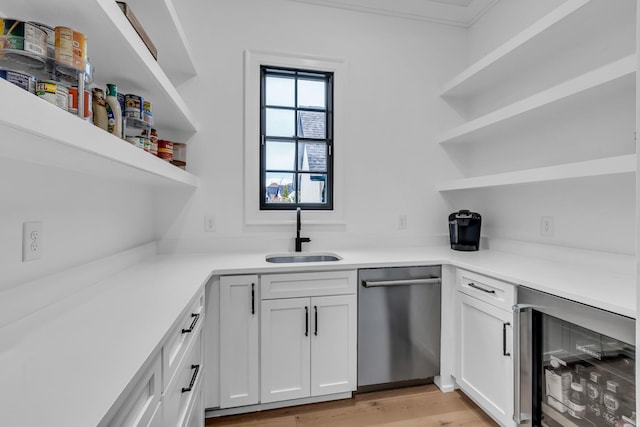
(574, 364)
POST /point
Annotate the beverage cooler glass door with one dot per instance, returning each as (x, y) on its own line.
(575, 364)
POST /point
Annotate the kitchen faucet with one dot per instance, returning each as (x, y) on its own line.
(299, 240)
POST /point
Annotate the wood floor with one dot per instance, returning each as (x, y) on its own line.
(414, 406)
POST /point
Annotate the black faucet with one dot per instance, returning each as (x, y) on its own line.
(299, 240)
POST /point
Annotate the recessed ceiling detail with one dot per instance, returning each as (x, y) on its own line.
(460, 13)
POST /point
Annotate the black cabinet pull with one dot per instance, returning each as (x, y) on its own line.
(195, 316)
(253, 298)
(315, 307)
(196, 369)
(306, 321)
(480, 288)
(504, 339)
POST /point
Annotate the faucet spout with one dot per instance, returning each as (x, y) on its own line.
(299, 240)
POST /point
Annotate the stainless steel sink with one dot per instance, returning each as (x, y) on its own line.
(302, 257)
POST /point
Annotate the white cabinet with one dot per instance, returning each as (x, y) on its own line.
(308, 347)
(484, 365)
(308, 335)
(239, 321)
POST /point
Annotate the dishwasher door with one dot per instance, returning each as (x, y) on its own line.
(398, 326)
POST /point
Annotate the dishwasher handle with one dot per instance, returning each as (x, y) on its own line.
(400, 282)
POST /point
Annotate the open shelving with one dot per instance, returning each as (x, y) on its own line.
(590, 168)
(118, 55)
(572, 23)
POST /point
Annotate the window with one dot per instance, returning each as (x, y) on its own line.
(296, 139)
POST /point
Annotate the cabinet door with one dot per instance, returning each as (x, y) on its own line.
(285, 349)
(239, 304)
(333, 344)
(485, 366)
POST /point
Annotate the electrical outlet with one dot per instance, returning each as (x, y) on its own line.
(402, 222)
(547, 226)
(31, 241)
(210, 223)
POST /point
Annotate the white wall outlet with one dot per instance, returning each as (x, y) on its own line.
(31, 241)
(209, 223)
(402, 222)
(547, 226)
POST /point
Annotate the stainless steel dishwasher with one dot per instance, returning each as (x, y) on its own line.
(398, 326)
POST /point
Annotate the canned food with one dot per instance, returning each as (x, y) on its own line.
(133, 106)
(20, 79)
(50, 39)
(55, 93)
(21, 35)
(71, 48)
(165, 150)
(73, 102)
(147, 115)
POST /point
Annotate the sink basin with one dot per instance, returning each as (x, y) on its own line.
(302, 257)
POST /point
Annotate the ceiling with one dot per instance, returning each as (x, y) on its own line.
(460, 13)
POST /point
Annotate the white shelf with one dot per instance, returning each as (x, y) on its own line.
(571, 24)
(584, 89)
(590, 168)
(36, 131)
(118, 55)
(160, 21)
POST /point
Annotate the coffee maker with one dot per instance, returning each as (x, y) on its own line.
(464, 230)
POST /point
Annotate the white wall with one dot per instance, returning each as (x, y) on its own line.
(394, 70)
(84, 218)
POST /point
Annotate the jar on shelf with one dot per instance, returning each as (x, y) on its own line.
(611, 402)
(577, 404)
(594, 395)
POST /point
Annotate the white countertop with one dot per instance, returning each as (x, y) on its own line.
(66, 364)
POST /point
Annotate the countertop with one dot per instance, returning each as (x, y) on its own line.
(66, 364)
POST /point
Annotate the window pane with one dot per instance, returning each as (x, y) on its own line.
(312, 156)
(312, 188)
(280, 188)
(311, 94)
(280, 92)
(280, 122)
(281, 155)
(312, 124)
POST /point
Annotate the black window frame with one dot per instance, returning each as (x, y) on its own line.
(303, 74)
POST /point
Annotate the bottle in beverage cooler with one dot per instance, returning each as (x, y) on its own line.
(558, 385)
(611, 402)
(577, 405)
(114, 111)
(594, 395)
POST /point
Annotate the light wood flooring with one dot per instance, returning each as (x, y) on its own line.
(407, 407)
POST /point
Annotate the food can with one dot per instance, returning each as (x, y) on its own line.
(133, 106)
(50, 39)
(71, 48)
(147, 115)
(73, 102)
(165, 150)
(20, 79)
(20, 35)
(54, 92)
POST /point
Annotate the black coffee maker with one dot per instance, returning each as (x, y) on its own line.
(464, 230)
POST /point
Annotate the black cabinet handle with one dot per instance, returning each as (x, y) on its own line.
(315, 307)
(196, 369)
(195, 316)
(253, 298)
(504, 339)
(480, 288)
(306, 321)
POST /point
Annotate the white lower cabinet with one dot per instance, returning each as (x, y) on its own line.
(308, 347)
(239, 328)
(484, 368)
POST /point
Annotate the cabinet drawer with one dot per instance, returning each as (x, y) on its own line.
(495, 292)
(180, 338)
(293, 285)
(185, 386)
(141, 404)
